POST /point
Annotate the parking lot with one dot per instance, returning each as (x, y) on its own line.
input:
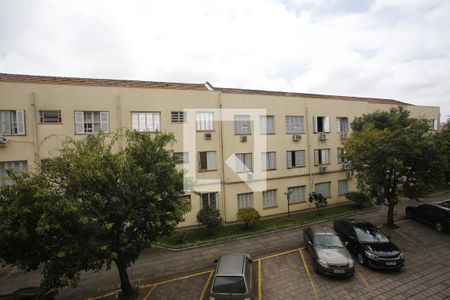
(289, 274)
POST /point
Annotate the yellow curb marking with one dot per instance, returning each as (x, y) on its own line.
(362, 278)
(206, 284)
(104, 295)
(259, 280)
(176, 279)
(403, 221)
(305, 264)
(281, 253)
(150, 292)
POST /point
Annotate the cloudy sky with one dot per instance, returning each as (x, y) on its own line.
(382, 48)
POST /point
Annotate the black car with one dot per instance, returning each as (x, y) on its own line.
(436, 214)
(369, 245)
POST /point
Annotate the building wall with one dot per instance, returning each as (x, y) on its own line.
(42, 140)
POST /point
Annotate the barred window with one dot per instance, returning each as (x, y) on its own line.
(209, 199)
(50, 116)
(178, 116)
(242, 124)
(295, 124)
(181, 157)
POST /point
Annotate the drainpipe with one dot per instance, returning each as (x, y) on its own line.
(35, 129)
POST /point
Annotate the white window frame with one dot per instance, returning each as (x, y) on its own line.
(209, 197)
(245, 200)
(205, 121)
(324, 120)
(242, 125)
(181, 157)
(12, 122)
(297, 194)
(267, 124)
(270, 198)
(209, 159)
(55, 117)
(268, 161)
(295, 124)
(102, 122)
(340, 153)
(342, 187)
(318, 189)
(434, 124)
(342, 124)
(146, 121)
(294, 159)
(244, 162)
(178, 117)
(321, 157)
(18, 166)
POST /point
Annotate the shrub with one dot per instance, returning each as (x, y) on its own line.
(319, 200)
(210, 217)
(249, 216)
(360, 198)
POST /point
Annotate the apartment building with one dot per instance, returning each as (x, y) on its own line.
(242, 148)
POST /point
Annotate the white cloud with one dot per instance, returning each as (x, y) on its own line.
(395, 49)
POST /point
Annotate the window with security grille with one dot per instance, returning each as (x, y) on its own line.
(324, 189)
(244, 162)
(342, 187)
(178, 116)
(267, 124)
(295, 159)
(146, 121)
(209, 199)
(18, 166)
(296, 194)
(91, 122)
(207, 161)
(269, 198)
(295, 124)
(321, 157)
(245, 200)
(268, 161)
(242, 124)
(12, 122)
(50, 116)
(205, 121)
(181, 157)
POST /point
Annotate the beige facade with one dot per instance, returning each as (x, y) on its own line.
(53, 108)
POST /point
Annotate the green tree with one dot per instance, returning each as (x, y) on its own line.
(248, 216)
(91, 207)
(319, 200)
(392, 153)
(442, 140)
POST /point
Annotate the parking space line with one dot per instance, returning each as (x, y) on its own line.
(281, 253)
(403, 221)
(104, 295)
(408, 238)
(206, 285)
(150, 292)
(362, 278)
(176, 279)
(259, 280)
(305, 264)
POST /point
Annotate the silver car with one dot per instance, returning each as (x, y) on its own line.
(233, 277)
(329, 255)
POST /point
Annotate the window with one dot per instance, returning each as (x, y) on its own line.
(269, 198)
(207, 161)
(178, 117)
(295, 124)
(146, 121)
(205, 121)
(243, 162)
(185, 200)
(50, 116)
(296, 159)
(209, 199)
(321, 124)
(269, 161)
(342, 187)
(91, 121)
(245, 200)
(242, 124)
(296, 194)
(229, 285)
(323, 188)
(340, 154)
(181, 157)
(18, 166)
(434, 124)
(321, 157)
(12, 122)
(267, 124)
(342, 124)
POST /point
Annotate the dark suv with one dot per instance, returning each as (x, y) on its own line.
(436, 214)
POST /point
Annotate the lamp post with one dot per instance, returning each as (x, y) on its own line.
(288, 196)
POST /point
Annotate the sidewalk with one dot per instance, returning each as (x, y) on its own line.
(156, 263)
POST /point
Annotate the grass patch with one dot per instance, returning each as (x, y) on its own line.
(439, 191)
(199, 236)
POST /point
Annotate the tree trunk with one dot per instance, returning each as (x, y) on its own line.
(390, 219)
(127, 291)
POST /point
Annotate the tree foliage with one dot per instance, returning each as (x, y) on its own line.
(392, 153)
(442, 140)
(92, 206)
(210, 217)
(360, 198)
(248, 216)
(319, 201)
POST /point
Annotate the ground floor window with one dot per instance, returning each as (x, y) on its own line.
(269, 198)
(296, 194)
(18, 166)
(342, 187)
(324, 189)
(245, 200)
(210, 199)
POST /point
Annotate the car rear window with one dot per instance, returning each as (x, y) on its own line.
(229, 285)
(328, 241)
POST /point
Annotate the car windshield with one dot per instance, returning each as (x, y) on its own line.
(229, 285)
(370, 235)
(446, 203)
(328, 241)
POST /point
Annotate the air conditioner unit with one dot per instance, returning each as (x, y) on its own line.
(3, 141)
(323, 136)
(349, 175)
(296, 137)
(208, 136)
(344, 166)
(323, 169)
(344, 135)
(243, 138)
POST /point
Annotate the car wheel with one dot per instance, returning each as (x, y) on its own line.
(438, 226)
(409, 214)
(315, 267)
(361, 259)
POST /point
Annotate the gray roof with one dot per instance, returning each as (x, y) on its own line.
(231, 264)
(322, 229)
